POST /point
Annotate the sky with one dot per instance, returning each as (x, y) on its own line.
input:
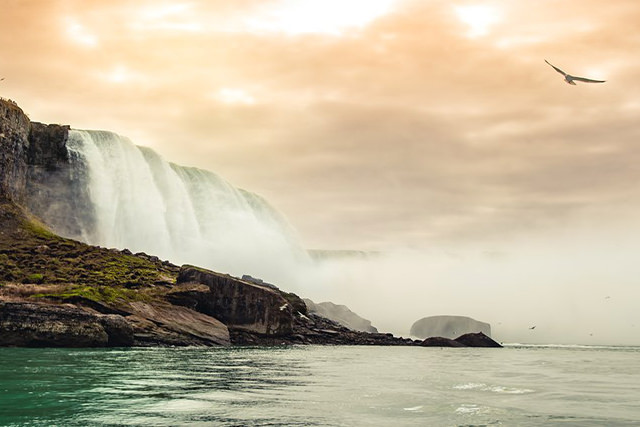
(377, 124)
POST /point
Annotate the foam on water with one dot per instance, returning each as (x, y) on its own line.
(494, 389)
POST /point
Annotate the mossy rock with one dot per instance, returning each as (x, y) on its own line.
(101, 294)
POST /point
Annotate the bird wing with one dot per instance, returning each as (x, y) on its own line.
(556, 68)
(584, 79)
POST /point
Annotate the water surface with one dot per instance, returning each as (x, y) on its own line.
(326, 386)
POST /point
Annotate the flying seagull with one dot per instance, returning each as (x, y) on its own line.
(533, 327)
(572, 79)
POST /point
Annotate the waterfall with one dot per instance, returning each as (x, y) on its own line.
(186, 215)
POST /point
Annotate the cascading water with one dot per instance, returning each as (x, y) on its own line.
(185, 215)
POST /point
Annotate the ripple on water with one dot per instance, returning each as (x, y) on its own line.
(492, 388)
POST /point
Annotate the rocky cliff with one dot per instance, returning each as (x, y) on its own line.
(36, 172)
(14, 147)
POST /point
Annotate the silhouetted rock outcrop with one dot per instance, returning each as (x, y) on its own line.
(448, 327)
(340, 314)
(441, 342)
(477, 340)
(467, 340)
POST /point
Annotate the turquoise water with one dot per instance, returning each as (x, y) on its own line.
(326, 386)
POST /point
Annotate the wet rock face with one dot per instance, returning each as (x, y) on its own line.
(47, 145)
(238, 304)
(45, 325)
(14, 145)
(57, 182)
(36, 170)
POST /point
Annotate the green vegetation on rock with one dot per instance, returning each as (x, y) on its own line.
(31, 253)
(101, 294)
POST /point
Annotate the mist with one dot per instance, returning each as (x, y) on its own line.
(573, 289)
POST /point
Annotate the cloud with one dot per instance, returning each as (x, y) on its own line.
(406, 126)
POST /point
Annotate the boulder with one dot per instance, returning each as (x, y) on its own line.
(165, 324)
(340, 314)
(238, 304)
(47, 145)
(448, 327)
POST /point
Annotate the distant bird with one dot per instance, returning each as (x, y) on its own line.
(533, 327)
(572, 79)
(1, 79)
(607, 297)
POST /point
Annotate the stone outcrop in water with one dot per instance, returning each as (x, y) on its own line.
(477, 340)
(340, 314)
(467, 340)
(448, 327)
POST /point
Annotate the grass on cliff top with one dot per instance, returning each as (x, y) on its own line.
(31, 254)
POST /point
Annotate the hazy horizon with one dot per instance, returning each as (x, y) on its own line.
(431, 131)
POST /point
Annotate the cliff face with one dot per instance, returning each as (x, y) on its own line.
(36, 172)
(14, 147)
(56, 188)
